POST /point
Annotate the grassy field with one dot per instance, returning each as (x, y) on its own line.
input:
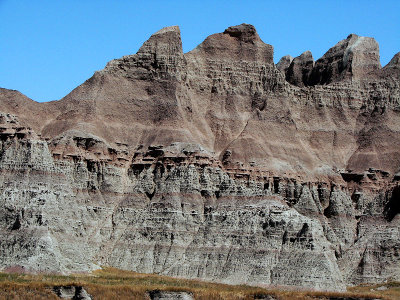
(112, 283)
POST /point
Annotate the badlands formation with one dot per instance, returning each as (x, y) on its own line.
(214, 164)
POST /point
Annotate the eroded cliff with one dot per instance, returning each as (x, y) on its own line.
(212, 164)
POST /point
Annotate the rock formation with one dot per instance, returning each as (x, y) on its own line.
(164, 295)
(354, 57)
(300, 69)
(284, 63)
(71, 292)
(211, 165)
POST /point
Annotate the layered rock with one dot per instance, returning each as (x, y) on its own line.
(354, 57)
(394, 62)
(160, 57)
(284, 63)
(210, 165)
(299, 70)
(392, 69)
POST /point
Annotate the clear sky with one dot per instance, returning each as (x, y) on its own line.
(49, 47)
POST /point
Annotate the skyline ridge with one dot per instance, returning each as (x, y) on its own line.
(52, 47)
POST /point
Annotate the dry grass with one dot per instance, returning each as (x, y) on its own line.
(110, 283)
(392, 291)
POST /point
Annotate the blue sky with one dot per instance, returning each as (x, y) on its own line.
(47, 48)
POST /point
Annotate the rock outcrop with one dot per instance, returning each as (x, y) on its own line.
(284, 63)
(354, 57)
(72, 292)
(394, 62)
(392, 69)
(211, 165)
(160, 57)
(165, 295)
(299, 70)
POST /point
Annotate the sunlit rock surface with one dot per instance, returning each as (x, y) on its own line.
(211, 165)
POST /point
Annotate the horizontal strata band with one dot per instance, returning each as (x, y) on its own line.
(214, 164)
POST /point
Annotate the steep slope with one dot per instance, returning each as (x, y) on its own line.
(212, 164)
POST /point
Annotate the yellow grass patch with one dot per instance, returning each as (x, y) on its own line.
(111, 283)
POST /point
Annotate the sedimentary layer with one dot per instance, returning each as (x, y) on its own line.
(214, 164)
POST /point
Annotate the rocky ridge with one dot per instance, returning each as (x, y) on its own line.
(212, 164)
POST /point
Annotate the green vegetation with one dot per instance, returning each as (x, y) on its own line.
(110, 283)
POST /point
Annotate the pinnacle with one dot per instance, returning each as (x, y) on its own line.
(174, 28)
(244, 32)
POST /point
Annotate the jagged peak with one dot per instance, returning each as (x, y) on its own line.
(352, 43)
(306, 54)
(361, 44)
(286, 57)
(392, 69)
(300, 68)
(159, 56)
(284, 63)
(168, 35)
(244, 32)
(240, 42)
(353, 57)
(394, 62)
(352, 35)
(174, 28)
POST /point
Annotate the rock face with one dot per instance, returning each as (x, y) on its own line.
(159, 57)
(392, 68)
(299, 70)
(211, 165)
(284, 63)
(354, 57)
